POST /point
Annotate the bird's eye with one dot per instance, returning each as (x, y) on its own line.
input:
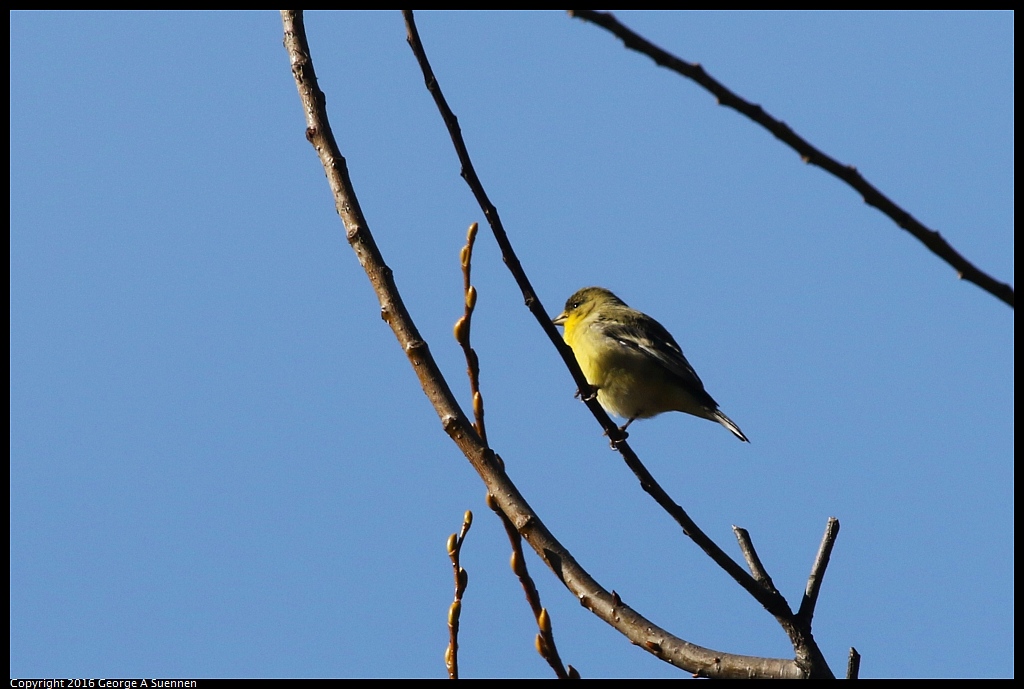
(575, 305)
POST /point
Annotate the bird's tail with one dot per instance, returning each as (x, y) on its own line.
(728, 423)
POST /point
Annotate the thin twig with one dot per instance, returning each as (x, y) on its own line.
(589, 592)
(462, 331)
(817, 575)
(753, 561)
(808, 153)
(806, 648)
(455, 541)
(545, 639)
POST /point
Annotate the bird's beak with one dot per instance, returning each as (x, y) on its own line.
(560, 318)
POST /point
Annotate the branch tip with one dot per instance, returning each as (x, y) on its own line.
(845, 172)
(853, 664)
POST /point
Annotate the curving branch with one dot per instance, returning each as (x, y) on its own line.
(809, 154)
(808, 655)
(589, 592)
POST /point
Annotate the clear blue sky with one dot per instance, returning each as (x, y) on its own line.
(222, 464)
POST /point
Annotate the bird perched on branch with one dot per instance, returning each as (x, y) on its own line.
(634, 364)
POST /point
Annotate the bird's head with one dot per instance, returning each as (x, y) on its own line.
(583, 302)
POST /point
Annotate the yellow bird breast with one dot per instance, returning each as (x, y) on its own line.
(629, 384)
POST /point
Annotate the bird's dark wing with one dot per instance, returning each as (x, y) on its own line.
(649, 337)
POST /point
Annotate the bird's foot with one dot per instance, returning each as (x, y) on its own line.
(614, 442)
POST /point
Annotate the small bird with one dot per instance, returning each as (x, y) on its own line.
(634, 364)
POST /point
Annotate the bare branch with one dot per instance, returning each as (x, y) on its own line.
(753, 561)
(591, 595)
(808, 153)
(810, 598)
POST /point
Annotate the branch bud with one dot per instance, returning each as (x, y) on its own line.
(544, 621)
(461, 330)
(516, 563)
